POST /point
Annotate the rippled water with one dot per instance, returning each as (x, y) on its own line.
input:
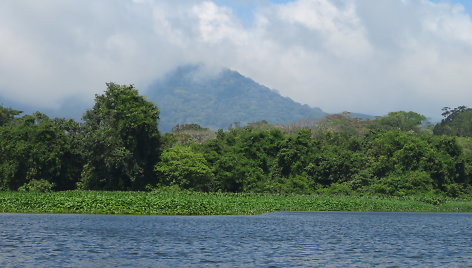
(289, 239)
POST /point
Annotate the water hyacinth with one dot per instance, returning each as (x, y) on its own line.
(197, 203)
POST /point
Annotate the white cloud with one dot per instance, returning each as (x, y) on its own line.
(364, 56)
(216, 24)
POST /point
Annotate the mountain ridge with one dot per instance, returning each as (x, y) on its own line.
(186, 96)
(193, 94)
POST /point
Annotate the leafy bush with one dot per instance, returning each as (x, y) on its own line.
(181, 166)
(37, 186)
(455, 190)
(164, 189)
(336, 189)
(299, 185)
(294, 185)
(402, 184)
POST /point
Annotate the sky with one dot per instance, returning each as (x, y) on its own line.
(367, 56)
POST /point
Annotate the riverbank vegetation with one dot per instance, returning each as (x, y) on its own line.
(199, 203)
(117, 147)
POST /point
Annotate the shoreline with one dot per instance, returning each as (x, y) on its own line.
(209, 204)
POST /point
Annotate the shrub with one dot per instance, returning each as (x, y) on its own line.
(183, 167)
(37, 186)
(408, 183)
(456, 190)
(336, 189)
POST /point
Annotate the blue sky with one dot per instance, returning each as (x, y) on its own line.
(467, 4)
(363, 56)
(245, 8)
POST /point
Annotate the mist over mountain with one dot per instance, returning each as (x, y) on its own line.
(216, 99)
(195, 94)
(69, 108)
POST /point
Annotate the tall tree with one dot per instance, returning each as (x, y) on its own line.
(121, 142)
(456, 122)
(7, 115)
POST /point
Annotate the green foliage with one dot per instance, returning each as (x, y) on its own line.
(295, 153)
(297, 185)
(121, 142)
(181, 166)
(243, 159)
(335, 189)
(197, 203)
(263, 124)
(456, 122)
(465, 144)
(236, 173)
(36, 147)
(397, 152)
(345, 123)
(334, 165)
(7, 115)
(403, 121)
(410, 183)
(185, 134)
(337, 158)
(385, 162)
(37, 186)
(118, 147)
(184, 127)
(457, 190)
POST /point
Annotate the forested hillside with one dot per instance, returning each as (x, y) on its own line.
(212, 99)
(118, 147)
(190, 95)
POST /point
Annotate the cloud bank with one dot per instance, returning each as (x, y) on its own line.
(364, 56)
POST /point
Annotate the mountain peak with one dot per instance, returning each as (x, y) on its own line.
(218, 98)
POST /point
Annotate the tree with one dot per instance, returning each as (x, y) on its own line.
(295, 153)
(34, 148)
(242, 159)
(121, 141)
(7, 115)
(235, 173)
(404, 121)
(334, 164)
(188, 133)
(181, 166)
(397, 153)
(456, 122)
(337, 159)
(343, 122)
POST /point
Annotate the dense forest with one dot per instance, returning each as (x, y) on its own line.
(117, 146)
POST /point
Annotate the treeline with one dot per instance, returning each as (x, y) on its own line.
(114, 148)
(117, 147)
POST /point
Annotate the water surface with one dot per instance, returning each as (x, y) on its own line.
(288, 239)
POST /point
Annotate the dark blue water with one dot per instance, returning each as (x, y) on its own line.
(290, 239)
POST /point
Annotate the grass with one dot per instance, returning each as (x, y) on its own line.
(193, 203)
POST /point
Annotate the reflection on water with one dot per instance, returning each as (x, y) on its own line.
(334, 239)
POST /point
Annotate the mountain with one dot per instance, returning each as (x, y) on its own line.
(190, 95)
(193, 94)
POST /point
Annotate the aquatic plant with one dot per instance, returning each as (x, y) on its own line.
(197, 203)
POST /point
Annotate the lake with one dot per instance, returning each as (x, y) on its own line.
(286, 239)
